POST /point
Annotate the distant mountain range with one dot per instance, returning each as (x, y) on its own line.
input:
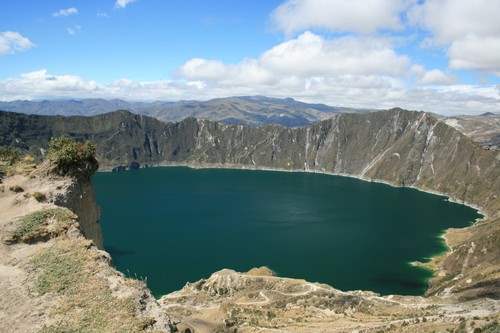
(484, 128)
(248, 110)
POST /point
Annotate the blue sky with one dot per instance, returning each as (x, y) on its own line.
(435, 55)
(147, 40)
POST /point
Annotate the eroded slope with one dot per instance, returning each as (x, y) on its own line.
(53, 278)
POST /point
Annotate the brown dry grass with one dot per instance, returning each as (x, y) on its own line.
(70, 269)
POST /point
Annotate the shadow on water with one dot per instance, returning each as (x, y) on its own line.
(118, 253)
(403, 284)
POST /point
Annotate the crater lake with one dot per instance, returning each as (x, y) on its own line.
(172, 225)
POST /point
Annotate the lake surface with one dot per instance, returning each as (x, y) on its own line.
(174, 225)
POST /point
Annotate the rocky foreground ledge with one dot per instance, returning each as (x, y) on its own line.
(257, 301)
(53, 276)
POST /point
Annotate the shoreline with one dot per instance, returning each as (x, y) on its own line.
(427, 265)
(228, 166)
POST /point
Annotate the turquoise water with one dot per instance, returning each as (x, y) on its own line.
(174, 225)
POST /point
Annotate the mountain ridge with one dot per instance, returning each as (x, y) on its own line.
(401, 148)
(248, 110)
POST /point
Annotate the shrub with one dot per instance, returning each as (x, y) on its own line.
(34, 227)
(9, 155)
(71, 157)
(40, 197)
(16, 189)
(13, 162)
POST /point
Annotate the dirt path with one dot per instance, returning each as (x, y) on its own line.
(19, 311)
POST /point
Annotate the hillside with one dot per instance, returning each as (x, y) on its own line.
(399, 147)
(484, 128)
(249, 110)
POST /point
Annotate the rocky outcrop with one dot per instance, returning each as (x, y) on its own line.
(52, 276)
(483, 129)
(229, 301)
(79, 197)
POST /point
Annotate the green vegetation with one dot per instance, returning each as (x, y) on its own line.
(42, 225)
(9, 155)
(71, 157)
(40, 197)
(59, 271)
(16, 189)
(69, 269)
(12, 161)
(493, 327)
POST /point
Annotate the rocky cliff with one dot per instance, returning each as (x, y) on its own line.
(398, 147)
(483, 129)
(53, 277)
(79, 197)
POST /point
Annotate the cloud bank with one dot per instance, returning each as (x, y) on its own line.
(350, 71)
(363, 16)
(469, 29)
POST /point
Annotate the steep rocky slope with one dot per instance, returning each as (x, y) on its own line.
(401, 147)
(484, 129)
(395, 146)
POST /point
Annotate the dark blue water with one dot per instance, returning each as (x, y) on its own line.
(174, 225)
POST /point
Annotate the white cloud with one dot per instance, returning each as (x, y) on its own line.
(470, 29)
(40, 83)
(348, 71)
(249, 71)
(437, 77)
(479, 53)
(308, 55)
(73, 30)
(346, 90)
(123, 3)
(451, 20)
(65, 12)
(434, 77)
(203, 69)
(12, 42)
(364, 16)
